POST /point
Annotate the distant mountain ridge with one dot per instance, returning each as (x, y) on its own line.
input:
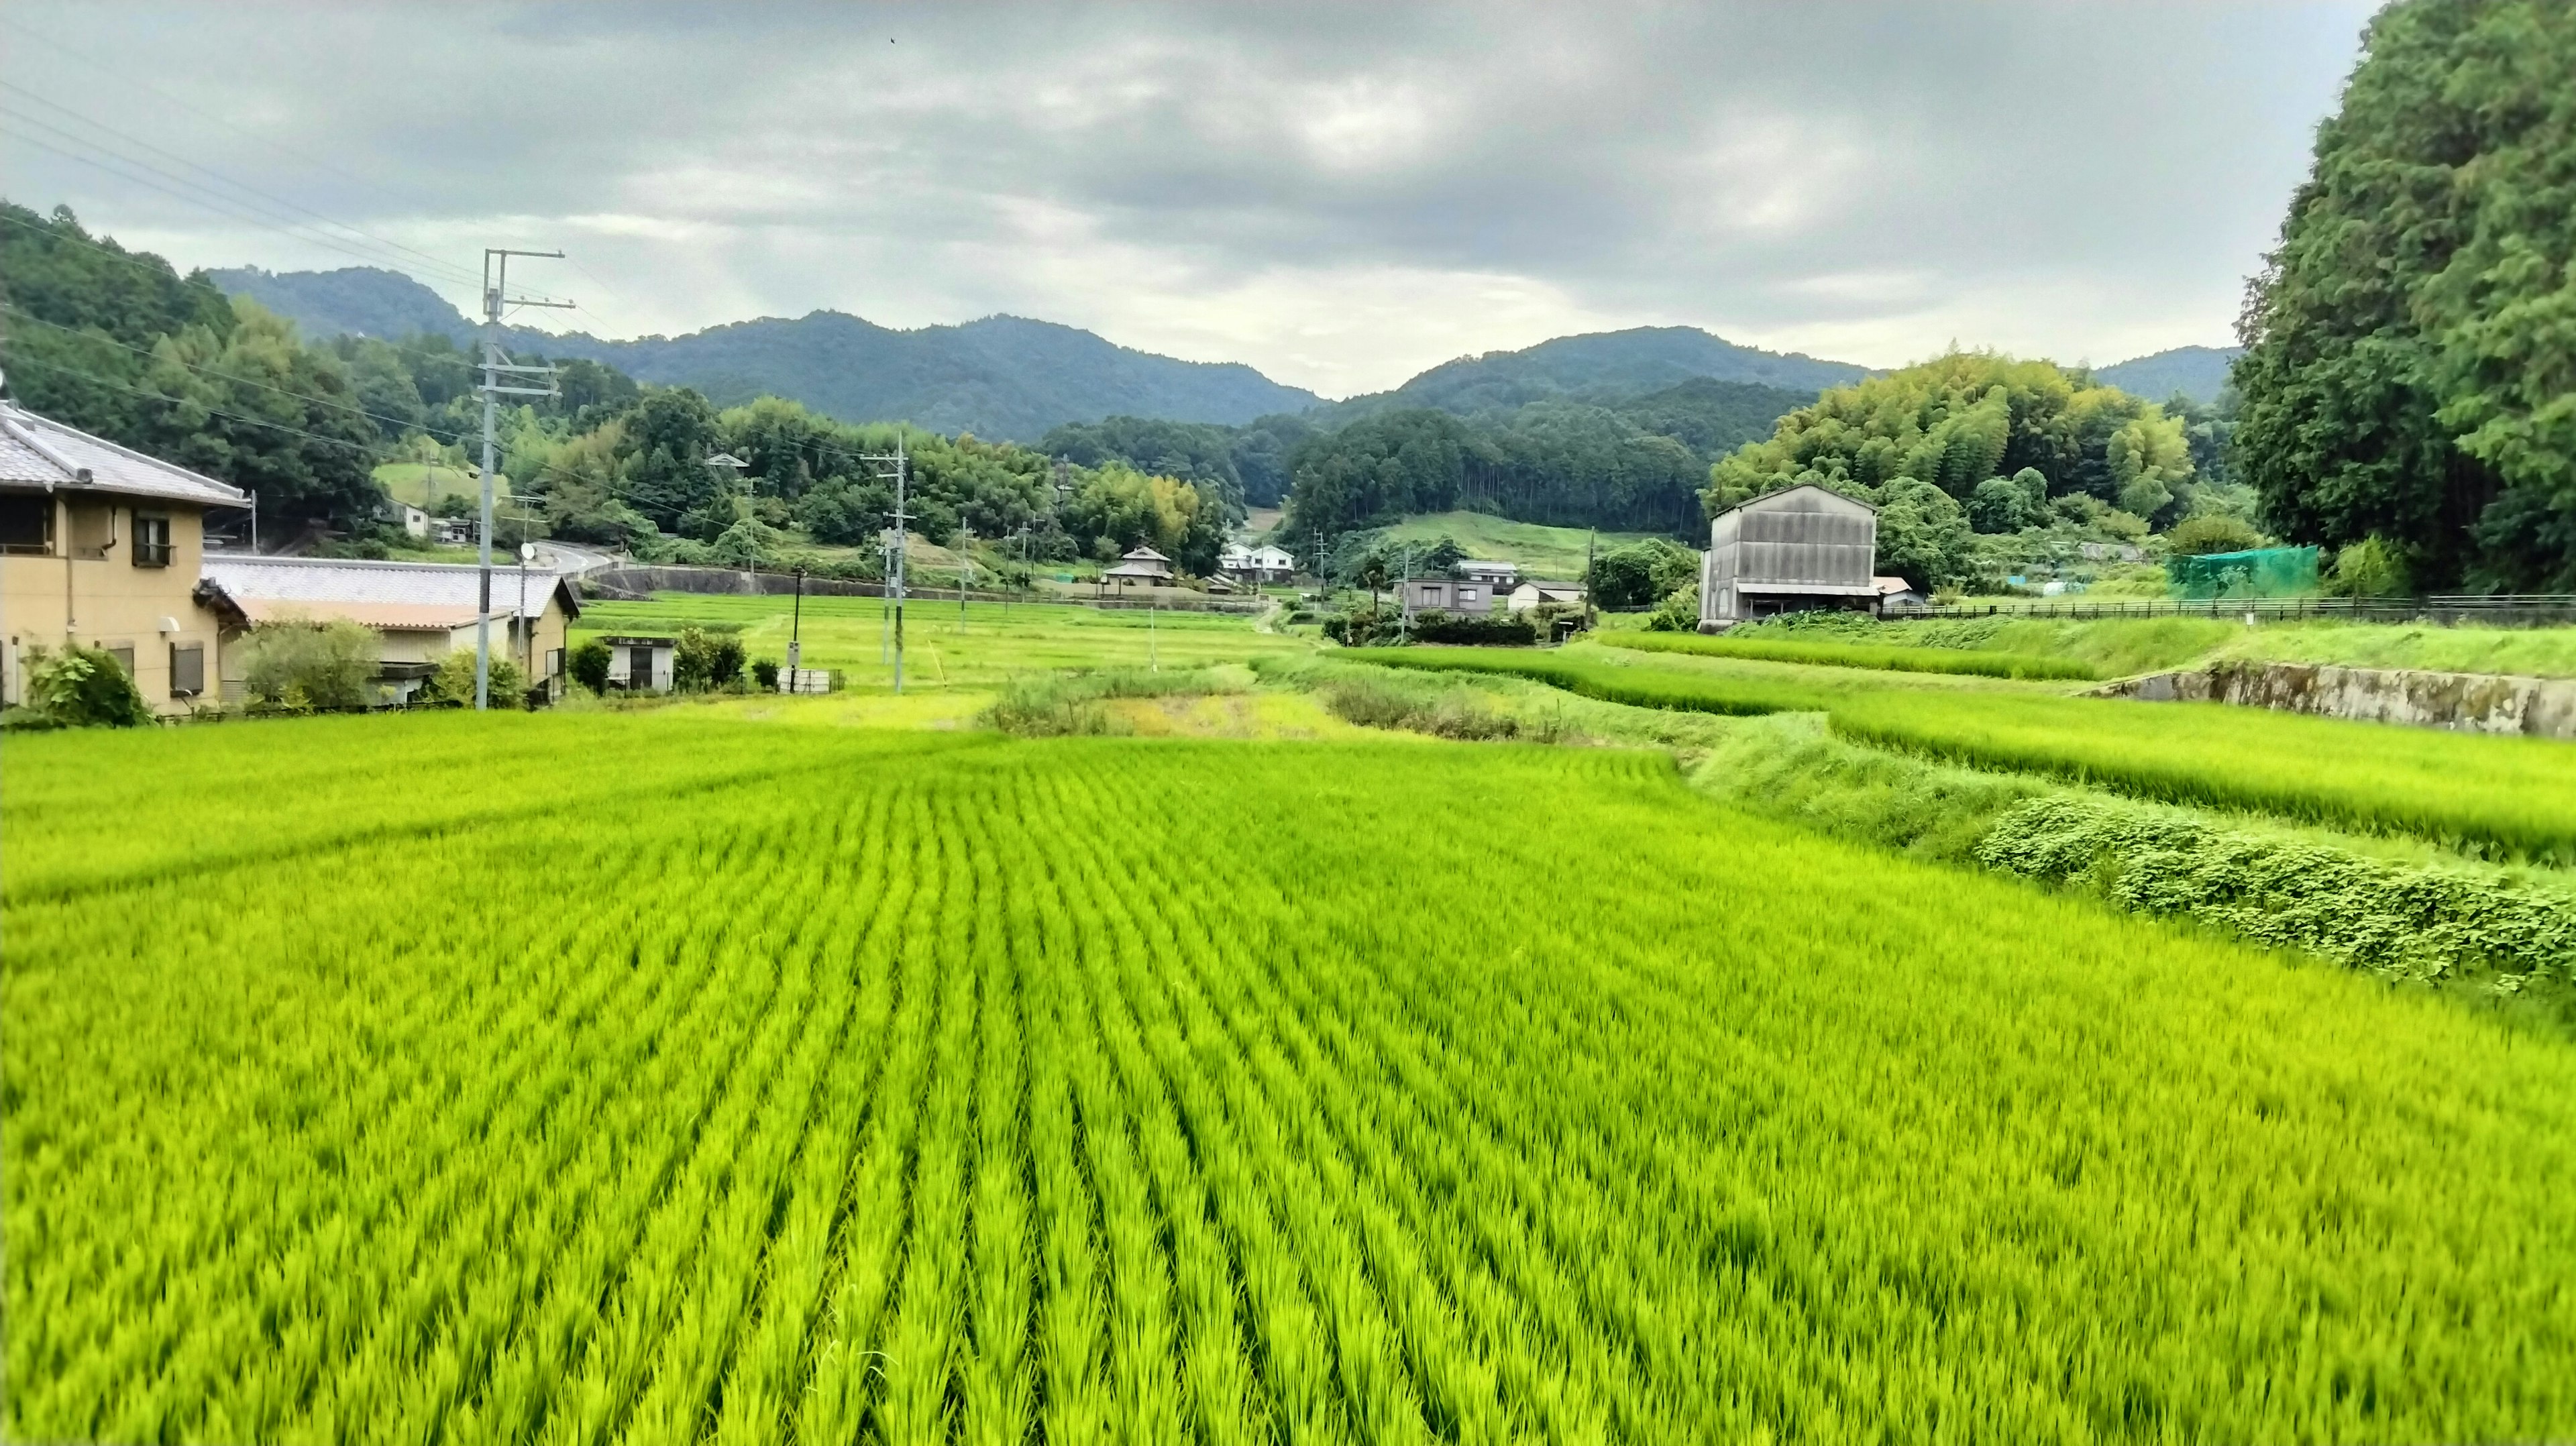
(1013, 378)
(1604, 366)
(1004, 377)
(2198, 372)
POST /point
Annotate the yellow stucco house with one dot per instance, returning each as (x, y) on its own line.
(420, 610)
(101, 545)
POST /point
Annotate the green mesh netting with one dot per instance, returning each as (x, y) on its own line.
(2263, 572)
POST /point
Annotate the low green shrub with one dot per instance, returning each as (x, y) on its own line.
(2424, 921)
(80, 687)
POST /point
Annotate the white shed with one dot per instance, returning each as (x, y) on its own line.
(1799, 548)
(640, 665)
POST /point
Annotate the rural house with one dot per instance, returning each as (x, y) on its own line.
(1800, 548)
(1471, 599)
(1536, 593)
(643, 665)
(1256, 564)
(99, 545)
(1143, 565)
(1501, 577)
(421, 610)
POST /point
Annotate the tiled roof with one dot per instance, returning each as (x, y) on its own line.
(43, 452)
(381, 594)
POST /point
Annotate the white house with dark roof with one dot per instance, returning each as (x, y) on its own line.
(422, 610)
(99, 545)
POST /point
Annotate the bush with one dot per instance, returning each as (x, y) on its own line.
(764, 675)
(2217, 532)
(1677, 613)
(324, 665)
(1046, 708)
(589, 662)
(454, 681)
(1504, 631)
(704, 658)
(2369, 568)
(84, 687)
(1635, 575)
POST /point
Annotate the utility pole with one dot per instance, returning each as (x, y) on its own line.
(1591, 546)
(965, 576)
(1404, 591)
(496, 282)
(896, 467)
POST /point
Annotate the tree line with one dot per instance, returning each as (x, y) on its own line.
(116, 342)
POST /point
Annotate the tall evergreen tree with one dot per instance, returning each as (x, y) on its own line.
(2410, 366)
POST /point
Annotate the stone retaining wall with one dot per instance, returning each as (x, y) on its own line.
(2465, 702)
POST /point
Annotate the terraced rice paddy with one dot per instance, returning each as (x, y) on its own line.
(1824, 653)
(663, 1078)
(2513, 796)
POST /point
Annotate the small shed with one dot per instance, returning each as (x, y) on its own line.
(1896, 595)
(1800, 548)
(1143, 565)
(640, 664)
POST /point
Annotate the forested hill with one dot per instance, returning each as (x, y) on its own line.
(1601, 367)
(1003, 377)
(2198, 372)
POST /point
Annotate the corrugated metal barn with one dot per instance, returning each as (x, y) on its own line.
(1802, 547)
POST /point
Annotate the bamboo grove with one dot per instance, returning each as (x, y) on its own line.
(759, 1084)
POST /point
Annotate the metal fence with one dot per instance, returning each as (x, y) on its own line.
(2492, 610)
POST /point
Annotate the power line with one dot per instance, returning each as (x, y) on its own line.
(125, 75)
(455, 271)
(220, 204)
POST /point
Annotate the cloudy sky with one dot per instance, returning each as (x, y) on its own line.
(1340, 196)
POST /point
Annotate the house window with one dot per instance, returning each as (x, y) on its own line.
(124, 655)
(187, 669)
(151, 541)
(26, 523)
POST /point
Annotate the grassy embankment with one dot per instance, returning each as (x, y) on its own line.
(1543, 552)
(2514, 796)
(2125, 646)
(1091, 1085)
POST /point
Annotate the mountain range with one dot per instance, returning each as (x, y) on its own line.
(1012, 378)
(2198, 372)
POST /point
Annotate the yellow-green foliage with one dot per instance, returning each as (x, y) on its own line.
(1957, 420)
(902, 1089)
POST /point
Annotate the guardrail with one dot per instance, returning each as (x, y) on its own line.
(2494, 610)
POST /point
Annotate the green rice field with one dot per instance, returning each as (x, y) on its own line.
(2509, 794)
(996, 642)
(675, 1077)
(1788, 649)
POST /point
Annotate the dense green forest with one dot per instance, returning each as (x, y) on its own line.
(1974, 443)
(118, 343)
(2410, 372)
(1632, 465)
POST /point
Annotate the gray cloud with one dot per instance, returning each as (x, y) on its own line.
(1339, 195)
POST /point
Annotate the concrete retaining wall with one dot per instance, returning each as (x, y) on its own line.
(2465, 702)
